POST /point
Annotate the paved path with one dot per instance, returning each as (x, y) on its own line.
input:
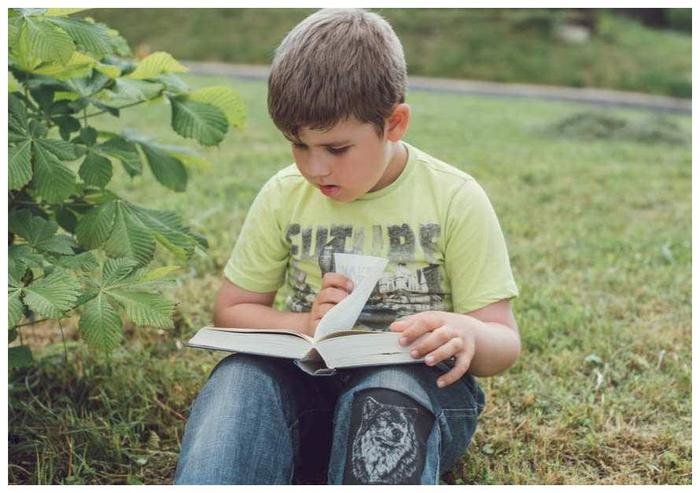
(601, 97)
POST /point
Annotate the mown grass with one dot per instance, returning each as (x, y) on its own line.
(600, 240)
(505, 45)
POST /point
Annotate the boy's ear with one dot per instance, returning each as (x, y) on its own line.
(397, 123)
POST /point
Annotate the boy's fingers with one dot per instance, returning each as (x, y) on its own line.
(323, 309)
(418, 327)
(435, 337)
(460, 368)
(401, 324)
(408, 331)
(335, 280)
(421, 323)
(331, 295)
(447, 350)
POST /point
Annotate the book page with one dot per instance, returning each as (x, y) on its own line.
(263, 331)
(364, 271)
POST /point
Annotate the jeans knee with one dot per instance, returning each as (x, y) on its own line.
(387, 440)
(238, 417)
(240, 386)
(398, 378)
(244, 372)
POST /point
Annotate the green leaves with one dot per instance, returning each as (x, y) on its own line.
(21, 258)
(62, 71)
(201, 121)
(129, 238)
(12, 84)
(52, 179)
(62, 12)
(79, 65)
(100, 323)
(126, 91)
(89, 37)
(17, 115)
(51, 43)
(124, 151)
(168, 229)
(143, 308)
(40, 233)
(19, 357)
(224, 98)
(95, 170)
(95, 227)
(65, 151)
(52, 295)
(18, 259)
(156, 64)
(169, 171)
(123, 287)
(20, 164)
(85, 261)
(15, 307)
(45, 41)
(126, 230)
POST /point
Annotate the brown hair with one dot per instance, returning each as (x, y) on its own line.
(336, 64)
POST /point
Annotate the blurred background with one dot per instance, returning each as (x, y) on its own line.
(644, 50)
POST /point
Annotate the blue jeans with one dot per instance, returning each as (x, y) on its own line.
(262, 420)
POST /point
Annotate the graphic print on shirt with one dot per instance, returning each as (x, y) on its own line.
(414, 279)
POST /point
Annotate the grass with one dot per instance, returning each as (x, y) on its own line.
(600, 241)
(504, 45)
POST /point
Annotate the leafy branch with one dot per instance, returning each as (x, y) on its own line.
(75, 246)
(118, 108)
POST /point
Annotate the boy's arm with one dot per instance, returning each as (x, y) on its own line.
(497, 339)
(484, 342)
(238, 307)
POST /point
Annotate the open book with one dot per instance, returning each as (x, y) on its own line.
(336, 342)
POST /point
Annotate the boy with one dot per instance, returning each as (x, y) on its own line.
(336, 91)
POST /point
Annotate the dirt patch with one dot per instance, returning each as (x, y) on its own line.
(48, 332)
(601, 125)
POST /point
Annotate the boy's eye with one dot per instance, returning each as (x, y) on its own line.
(298, 146)
(338, 150)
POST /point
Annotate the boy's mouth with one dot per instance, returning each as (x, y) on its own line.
(329, 190)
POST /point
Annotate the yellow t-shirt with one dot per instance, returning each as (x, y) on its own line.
(434, 223)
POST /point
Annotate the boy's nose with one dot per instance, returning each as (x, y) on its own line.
(319, 168)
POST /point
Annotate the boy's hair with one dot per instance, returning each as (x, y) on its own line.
(336, 64)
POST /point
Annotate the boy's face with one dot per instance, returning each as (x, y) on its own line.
(348, 160)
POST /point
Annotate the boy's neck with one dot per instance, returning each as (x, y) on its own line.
(395, 168)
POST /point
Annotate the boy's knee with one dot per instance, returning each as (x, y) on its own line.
(241, 366)
(247, 375)
(387, 438)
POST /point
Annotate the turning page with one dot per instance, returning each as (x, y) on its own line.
(364, 271)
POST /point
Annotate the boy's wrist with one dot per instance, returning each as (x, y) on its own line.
(258, 316)
(306, 326)
(312, 320)
(299, 321)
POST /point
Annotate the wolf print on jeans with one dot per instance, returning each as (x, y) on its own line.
(389, 439)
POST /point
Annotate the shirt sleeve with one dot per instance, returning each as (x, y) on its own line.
(259, 258)
(476, 256)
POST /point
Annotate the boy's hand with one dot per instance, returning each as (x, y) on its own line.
(335, 287)
(451, 335)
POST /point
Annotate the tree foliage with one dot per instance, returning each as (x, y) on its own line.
(75, 246)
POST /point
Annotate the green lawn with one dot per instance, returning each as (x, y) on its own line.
(599, 232)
